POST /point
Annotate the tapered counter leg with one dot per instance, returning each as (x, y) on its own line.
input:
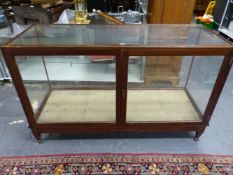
(37, 136)
(198, 134)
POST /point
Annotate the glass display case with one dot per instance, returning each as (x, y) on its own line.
(226, 25)
(110, 78)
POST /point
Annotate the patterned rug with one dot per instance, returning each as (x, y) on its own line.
(98, 164)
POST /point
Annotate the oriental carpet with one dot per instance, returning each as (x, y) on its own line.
(107, 163)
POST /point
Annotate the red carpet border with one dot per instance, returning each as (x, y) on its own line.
(144, 164)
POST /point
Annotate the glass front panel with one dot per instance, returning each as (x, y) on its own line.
(160, 95)
(158, 71)
(83, 87)
(133, 35)
(203, 74)
(170, 88)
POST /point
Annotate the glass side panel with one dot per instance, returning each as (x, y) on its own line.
(203, 74)
(160, 96)
(132, 35)
(36, 90)
(4, 73)
(83, 87)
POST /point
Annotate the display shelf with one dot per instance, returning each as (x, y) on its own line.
(99, 106)
(160, 106)
(70, 106)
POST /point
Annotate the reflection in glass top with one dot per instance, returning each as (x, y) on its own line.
(129, 35)
(3, 40)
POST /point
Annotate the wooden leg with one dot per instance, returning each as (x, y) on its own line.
(37, 136)
(198, 134)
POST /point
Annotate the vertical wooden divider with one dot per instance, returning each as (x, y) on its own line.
(121, 86)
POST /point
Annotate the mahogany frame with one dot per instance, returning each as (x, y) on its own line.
(122, 54)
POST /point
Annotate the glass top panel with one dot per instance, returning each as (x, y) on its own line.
(3, 40)
(124, 35)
